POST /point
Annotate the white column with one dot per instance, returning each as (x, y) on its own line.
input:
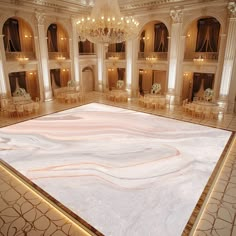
(179, 71)
(218, 74)
(43, 56)
(131, 67)
(74, 49)
(229, 53)
(129, 63)
(102, 75)
(4, 89)
(175, 48)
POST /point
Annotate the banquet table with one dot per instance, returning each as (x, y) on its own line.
(117, 95)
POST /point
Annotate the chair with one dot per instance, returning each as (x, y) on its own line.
(191, 108)
(61, 97)
(28, 108)
(198, 111)
(11, 110)
(124, 98)
(207, 112)
(36, 107)
(185, 105)
(141, 101)
(4, 104)
(20, 110)
(162, 103)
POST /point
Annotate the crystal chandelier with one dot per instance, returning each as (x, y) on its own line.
(106, 25)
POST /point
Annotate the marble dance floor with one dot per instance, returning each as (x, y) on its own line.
(124, 172)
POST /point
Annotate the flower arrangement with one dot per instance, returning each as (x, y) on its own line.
(156, 88)
(71, 83)
(19, 92)
(208, 94)
(120, 84)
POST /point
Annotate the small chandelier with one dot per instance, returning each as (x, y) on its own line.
(106, 25)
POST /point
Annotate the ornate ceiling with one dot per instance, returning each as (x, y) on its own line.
(75, 7)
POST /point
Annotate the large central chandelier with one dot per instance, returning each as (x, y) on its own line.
(106, 25)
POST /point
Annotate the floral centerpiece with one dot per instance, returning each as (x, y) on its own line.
(120, 84)
(208, 94)
(156, 88)
(19, 92)
(71, 83)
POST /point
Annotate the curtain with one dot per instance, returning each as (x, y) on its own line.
(141, 83)
(197, 78)
(62, 39)
(55, 75)
(208, 81)
(142, 42)
(65, 77)
(52, 38)
(17, 78)
(208, 35)
(86, 47)
(112, 47)
(26, 36)
(120, 47)
(81, 48)
(214, 34)
(160, 38)
(32, 85)
(120, 72)
(12, 36)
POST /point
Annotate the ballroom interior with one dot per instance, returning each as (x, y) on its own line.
(176, 62)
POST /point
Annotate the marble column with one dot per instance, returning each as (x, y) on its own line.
(4, 81)
(74, 51)
(175, 49)
(102, 72)
(43, 56)
(131, 67)
(229, 54)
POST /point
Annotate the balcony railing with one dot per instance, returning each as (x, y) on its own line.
(147, 55)
(15, 56)
(207, 56)
(57, 55)
(87, 53)
(115, 55)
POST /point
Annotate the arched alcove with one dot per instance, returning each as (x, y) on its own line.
(57, 41)
(88, 83)
(27, 80)
(18, 38)
(154, 40)
(202, 39)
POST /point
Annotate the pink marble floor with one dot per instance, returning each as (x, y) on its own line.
(124, 172)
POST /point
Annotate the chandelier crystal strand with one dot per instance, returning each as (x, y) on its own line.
(106, 25)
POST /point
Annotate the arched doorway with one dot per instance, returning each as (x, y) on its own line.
(88, 83)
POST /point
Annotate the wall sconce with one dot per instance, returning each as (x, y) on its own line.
(151, 59)
(23, 61)
(198, 60)
(146, 38)
(28, 36)
(113, 58)
(60, 59)
(142, 72)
